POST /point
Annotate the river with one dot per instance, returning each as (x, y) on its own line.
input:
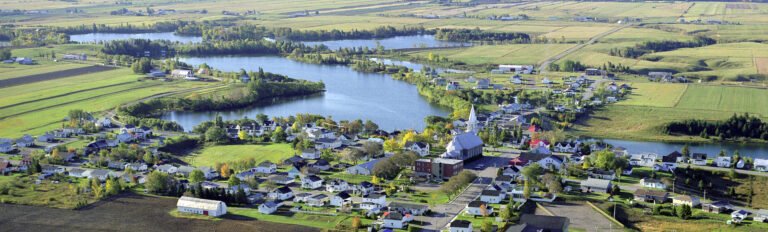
(350, 94)
(711, 149)
(397, 42)
(105, 37)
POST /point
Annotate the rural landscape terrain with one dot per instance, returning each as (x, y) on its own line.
(383, 115)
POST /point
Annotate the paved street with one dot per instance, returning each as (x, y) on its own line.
(443, 214)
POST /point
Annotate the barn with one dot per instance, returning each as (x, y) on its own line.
(201, 206)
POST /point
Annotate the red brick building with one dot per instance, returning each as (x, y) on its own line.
(439, 168)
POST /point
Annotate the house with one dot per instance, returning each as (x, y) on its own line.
(139, 167)
(46, 138)
(669, 162)
(421, 148)
(341, 199)
(281, 194)
(531, 222)
(104, 123)
(439, 167)
(645, 195)
(336, 185)
(460, 226)
(301, 197)
(408, 208)
(483, 83)
(740, 164)
(375, 198)
(77, 173)
(551, 162)
(321, 164)
(760, 164)
(167, 168)
(100, 174)
(396, 220)
(689, 200)
(364, 168)
(25, 141)
(310, 154)
(566, 147)
(644, 159)
(516, 69)
(740, 215)
(503, 180)
(327, 143)
(182, 73)
(659, 76)
(246, 175)
(201, 206)
(761, 215)
(491, 196)
(281, 179)
(6, 145)
(125, 137)
(511, 171)
(701, 159)
(601, 174)
(311, 182)
(474, 208)
(652, 183)
(266, 167)
(294, 172)
(364, 188)
(466, 146)
(596, 185)
(723, 161)
(269, 207)
(24, 61)
(119, 165)
(717, 207)
(51, 169)
(317, 200)
(209, 172)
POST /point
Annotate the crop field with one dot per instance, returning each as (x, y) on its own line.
(726, 99)
(655, 94)
(47, 76)
(38, 107)
(761, 63)
(128, 212)
(220, 154)
(8, 71)
(501, 54)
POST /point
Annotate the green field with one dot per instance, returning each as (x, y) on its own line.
(654, 94)
(317, 221)
(221, 154)
(501, 54)
(726, 99)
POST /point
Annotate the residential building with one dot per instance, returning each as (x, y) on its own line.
(723, 161)
(601, 174)
(460, 226)
(341, 199)
(167, 168)
(201, 206)
(421, 148)
(408, 208)
(336, 185)
(760, 165)
(439, 167)
(265, 167)
(182, 73)
(375, 198)
(491, 196)
(396, 220)
(516, 69)
(311, 182)
(761, 215)
(77, 173)
(652, 183)
(475, 208)
(317, 200)
(645, 195)
(310, 154)
(540, 223)
(25, 141)
(689, 200)
(700, 159)
(596, 185)
(364, 168)
(269, 207)
(281, 194)
(551, 162)
(321, 164)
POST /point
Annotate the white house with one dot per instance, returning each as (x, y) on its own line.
(6, 145)
(77, 173)
(209, 172)
(740, 164)
(182, 73)
(201, 206)
(460, 226)
(266, 167)
(421, 148)
(294, 172)
(551, 161)
(281, 179)
(396, 220)
(310, 154)
(364, 188)
(336, 185)
(761, 165)
(686, 200)
(317, 200)
(139, 167)
(364, 168)
(327, 143)
(517, 69)
(375, 198)
(474, 208)
(652, 183)
(25, 141)
(281, 194)
(167, 168)
(491, 196)
(311, 182)
(511, 171)
(723, 161)
(761, 215)
(269, 207)
(700, 159)
(341, 199)
(124, 137)
(45, 138)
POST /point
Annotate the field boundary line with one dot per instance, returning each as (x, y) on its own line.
(680, 97)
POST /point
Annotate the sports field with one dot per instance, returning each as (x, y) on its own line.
(221, 154)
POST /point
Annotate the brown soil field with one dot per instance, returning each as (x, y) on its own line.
(762, 65)
(52, 75)
(129, 212)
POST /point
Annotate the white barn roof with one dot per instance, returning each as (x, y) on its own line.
(197, 203)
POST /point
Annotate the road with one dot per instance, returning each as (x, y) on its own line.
(445, 213)
(740, 171)
(543, 65)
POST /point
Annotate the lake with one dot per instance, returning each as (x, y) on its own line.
(350, 95)
(662, 148)
(105, 37)
(415, 66)
(397, 42)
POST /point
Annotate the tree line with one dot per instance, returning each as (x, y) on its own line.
(737, 126)
(660, 46)
(467, 35)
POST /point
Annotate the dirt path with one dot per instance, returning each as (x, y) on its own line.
(131, 213)
(53, 75)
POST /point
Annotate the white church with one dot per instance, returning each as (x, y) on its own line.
(467, 145)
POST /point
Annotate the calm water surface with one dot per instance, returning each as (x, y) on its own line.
(105, 37)
(397, 42)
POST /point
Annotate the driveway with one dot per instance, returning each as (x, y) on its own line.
(581, 215)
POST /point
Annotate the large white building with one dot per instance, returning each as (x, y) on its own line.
(201, 206)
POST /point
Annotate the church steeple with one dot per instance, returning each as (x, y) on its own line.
(472, 121)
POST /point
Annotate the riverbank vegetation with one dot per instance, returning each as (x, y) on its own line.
(737, 126)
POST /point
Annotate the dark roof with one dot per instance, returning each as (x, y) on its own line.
(699, 156)
(405, 205)
(314, 178)
(366, 184)
(343, 195)
(394, 216)
(460, 224)
(490, 193)
(477, 203)
(504, 178)
(532, 223)
(671, 158)
(374, 195)
(321, 162)
(284, 190)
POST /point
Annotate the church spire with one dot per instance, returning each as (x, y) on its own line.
(472, 121)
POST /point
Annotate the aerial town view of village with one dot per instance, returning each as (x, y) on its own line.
(383, 115)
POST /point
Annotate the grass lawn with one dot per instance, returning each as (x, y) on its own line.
(220, 154)
(317, 221)
(23, 190)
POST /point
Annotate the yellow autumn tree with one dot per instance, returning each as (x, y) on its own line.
(225, 170)
(242, 135)
(409, 136)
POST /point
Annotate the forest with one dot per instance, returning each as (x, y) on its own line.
(737, 126)
(660, 46)
(467, 35)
